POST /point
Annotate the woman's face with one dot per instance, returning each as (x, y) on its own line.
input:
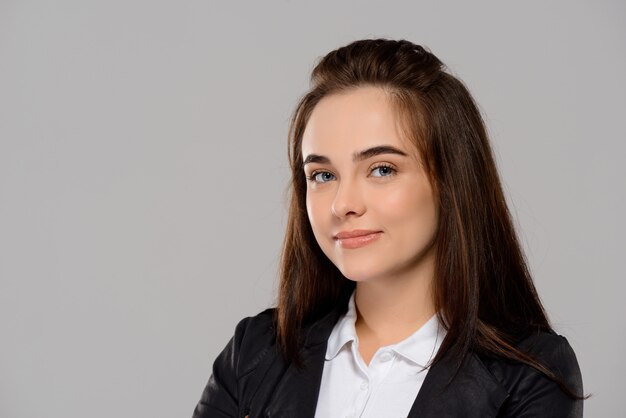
(369, 200)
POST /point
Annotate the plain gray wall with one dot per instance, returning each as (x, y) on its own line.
(143, 169)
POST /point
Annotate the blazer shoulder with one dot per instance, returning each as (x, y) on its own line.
(224, 392)
(531, 392)
(254, 337)
(555, 352)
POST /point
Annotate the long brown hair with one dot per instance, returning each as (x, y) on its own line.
(483, 291)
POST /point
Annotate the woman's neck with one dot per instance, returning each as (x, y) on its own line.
(390, 310)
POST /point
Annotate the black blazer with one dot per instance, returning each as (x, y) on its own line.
(251, 379)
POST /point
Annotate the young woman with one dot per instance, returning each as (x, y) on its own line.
(403, 287)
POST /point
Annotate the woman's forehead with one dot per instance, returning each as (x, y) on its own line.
(348, 122)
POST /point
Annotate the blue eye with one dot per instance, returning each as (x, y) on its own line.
(321, 177)
(383, 171)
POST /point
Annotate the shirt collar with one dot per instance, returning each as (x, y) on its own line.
(343, 331)
(420, 347)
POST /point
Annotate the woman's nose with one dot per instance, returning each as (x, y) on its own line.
(348, 200)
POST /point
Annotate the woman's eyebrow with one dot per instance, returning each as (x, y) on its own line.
(374, 151)
(315, 158)
(358, 156)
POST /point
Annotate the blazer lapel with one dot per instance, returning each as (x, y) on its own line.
(474, 392)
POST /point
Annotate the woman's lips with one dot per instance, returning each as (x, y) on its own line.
(356, 239)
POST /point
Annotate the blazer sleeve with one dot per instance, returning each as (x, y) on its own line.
(220, 396)
(534, 395)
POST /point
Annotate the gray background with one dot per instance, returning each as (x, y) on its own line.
(143, 171)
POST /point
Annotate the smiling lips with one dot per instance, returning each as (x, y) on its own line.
(356, 238)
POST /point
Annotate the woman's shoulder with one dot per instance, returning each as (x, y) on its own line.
(256, 325)
(555, 353)
(528, 388)
(254, 336)
(544, 343)
(247, 349)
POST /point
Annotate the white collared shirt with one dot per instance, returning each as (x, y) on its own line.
(388, 386)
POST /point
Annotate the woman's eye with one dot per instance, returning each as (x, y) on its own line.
(382, 171)
(321, 177)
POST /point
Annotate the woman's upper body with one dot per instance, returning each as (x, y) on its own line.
(251, 378)
(395, 197)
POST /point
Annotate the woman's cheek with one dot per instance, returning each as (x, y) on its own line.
(396, 201)
(318, 211)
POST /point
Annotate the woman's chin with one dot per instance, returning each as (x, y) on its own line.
(358, 275)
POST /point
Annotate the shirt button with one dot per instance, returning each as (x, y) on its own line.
(386, 356)
(364, 386)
